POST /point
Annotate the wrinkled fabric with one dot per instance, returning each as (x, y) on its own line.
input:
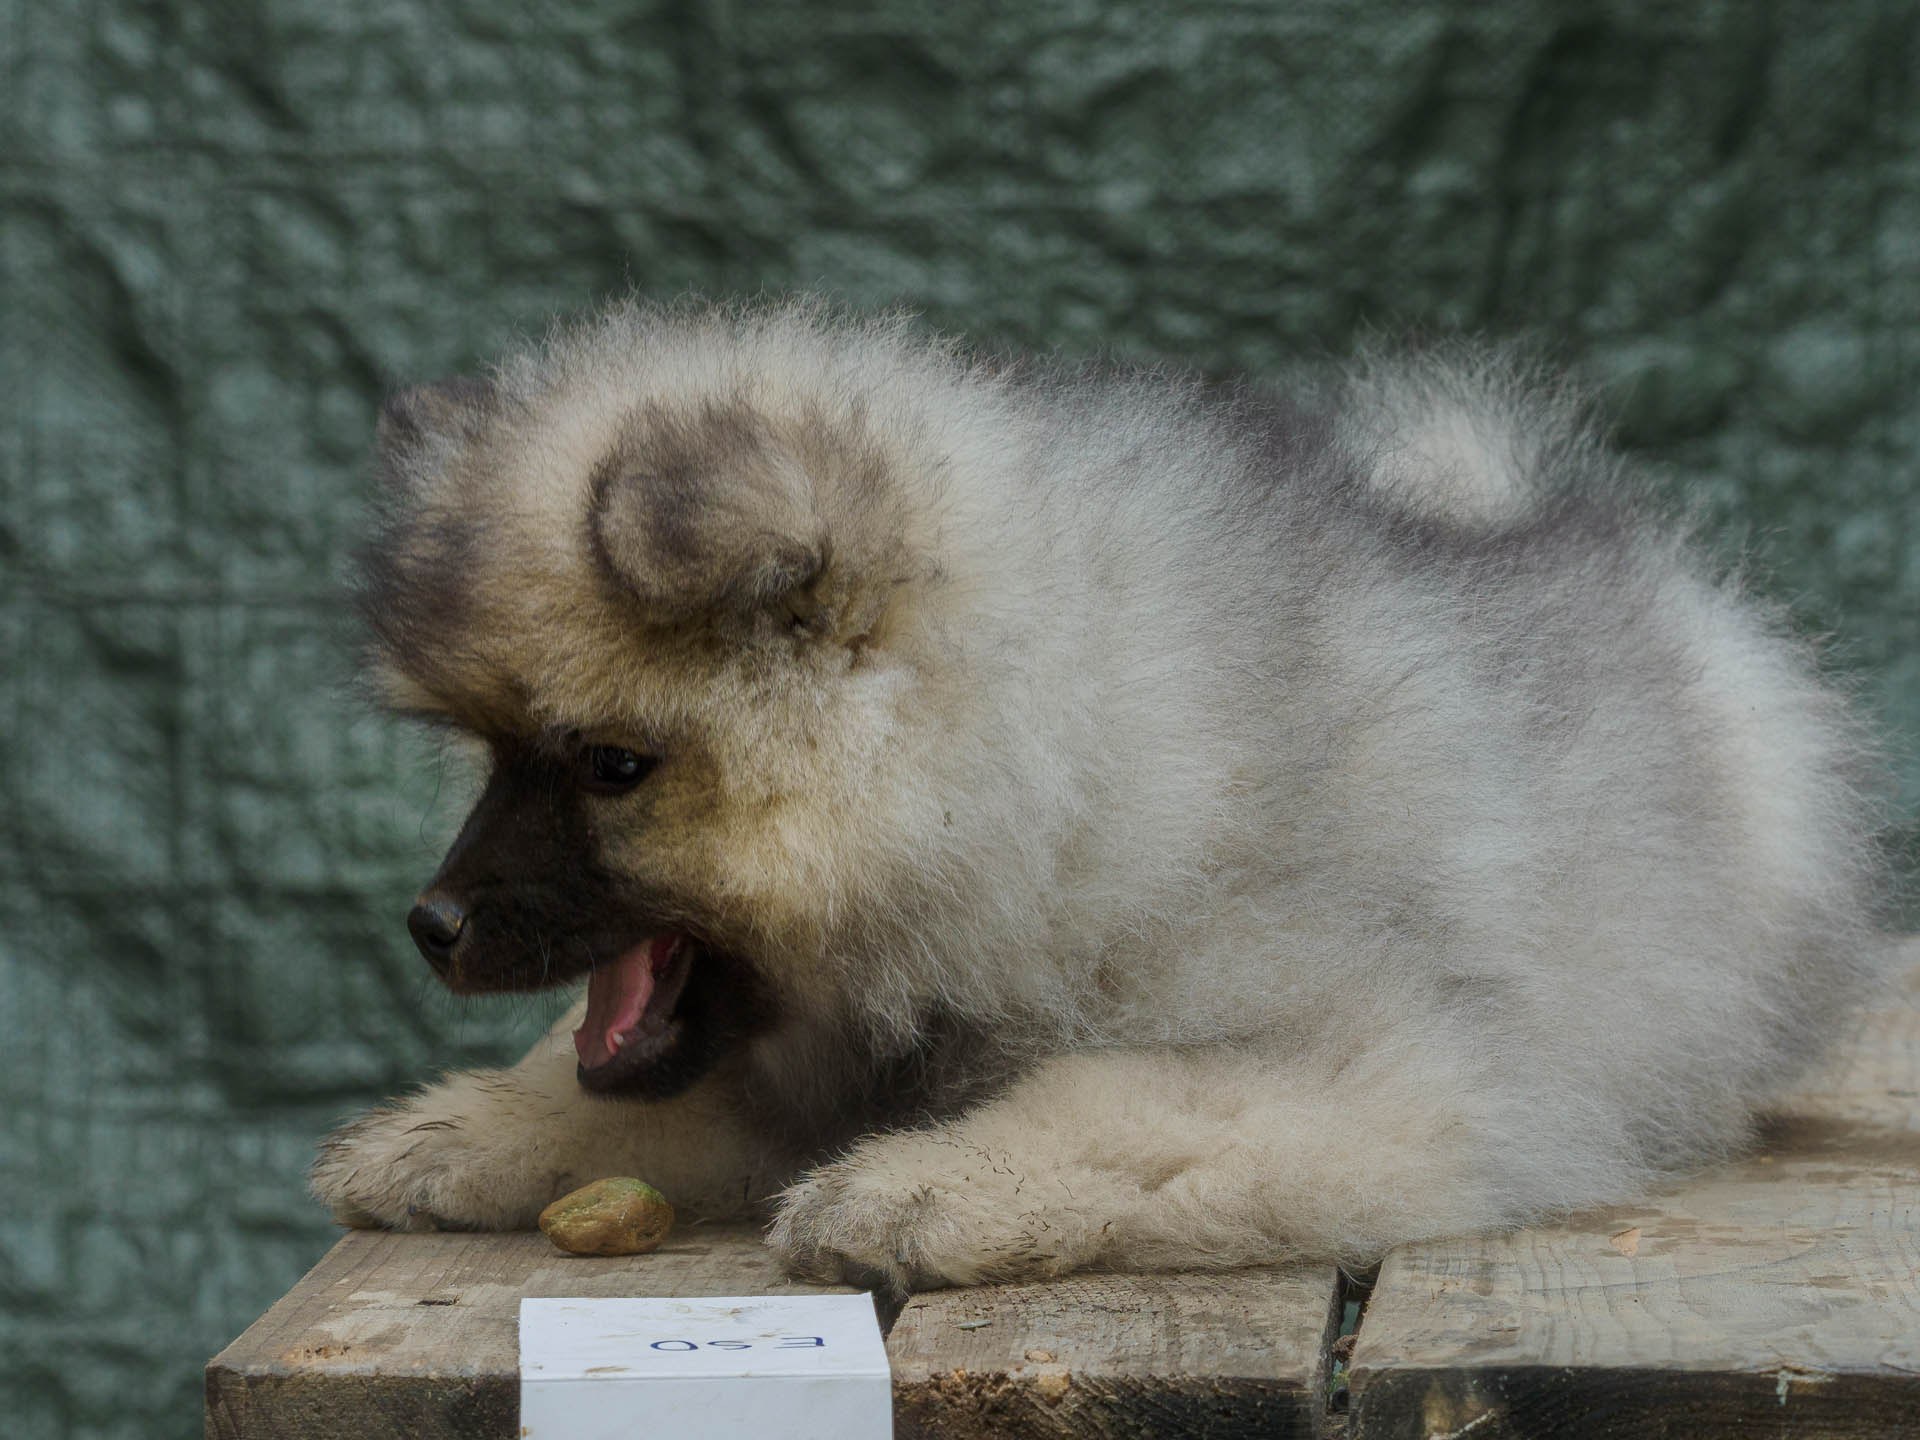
(226, 228)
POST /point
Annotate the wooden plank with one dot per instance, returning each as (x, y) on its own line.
(1240, 1354)
(1777, 1295)
(1779, 1290)
(417, 1336)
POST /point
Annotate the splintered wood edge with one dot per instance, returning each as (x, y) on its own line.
(1661, 1316)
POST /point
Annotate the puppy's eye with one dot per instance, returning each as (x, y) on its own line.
(610, 770)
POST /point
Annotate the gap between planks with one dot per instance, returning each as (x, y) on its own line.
(1780, 1293)
(1785, 1280)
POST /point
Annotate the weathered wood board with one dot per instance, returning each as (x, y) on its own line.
(417, 1336)
(1226, 1356)
(1777, 1296)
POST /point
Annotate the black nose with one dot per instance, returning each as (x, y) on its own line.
(436, 924)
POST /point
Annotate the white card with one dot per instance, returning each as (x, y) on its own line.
(799, 1367)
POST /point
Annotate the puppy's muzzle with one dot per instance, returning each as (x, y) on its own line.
(436, 923)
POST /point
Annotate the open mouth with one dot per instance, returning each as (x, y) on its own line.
(630, 1021)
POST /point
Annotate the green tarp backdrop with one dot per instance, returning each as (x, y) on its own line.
(224, 227)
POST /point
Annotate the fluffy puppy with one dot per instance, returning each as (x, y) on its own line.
(1012, 819)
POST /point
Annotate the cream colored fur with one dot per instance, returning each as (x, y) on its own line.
(488, 1149)
(1337, 820)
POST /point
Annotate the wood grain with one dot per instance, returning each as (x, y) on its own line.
(1780, 1295)
(1241, 1354)
(1777, 1295)
(417, 1336)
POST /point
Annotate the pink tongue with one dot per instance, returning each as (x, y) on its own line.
(617, 996)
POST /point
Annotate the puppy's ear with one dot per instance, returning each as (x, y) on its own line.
(423, 426)
(708, 516)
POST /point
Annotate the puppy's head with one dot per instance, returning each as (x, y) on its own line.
(665, 577)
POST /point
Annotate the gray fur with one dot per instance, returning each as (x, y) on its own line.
(1372, 759)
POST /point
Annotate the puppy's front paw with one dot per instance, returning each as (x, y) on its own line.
(918, 1212)
(422, 1165)
(377, 1172)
